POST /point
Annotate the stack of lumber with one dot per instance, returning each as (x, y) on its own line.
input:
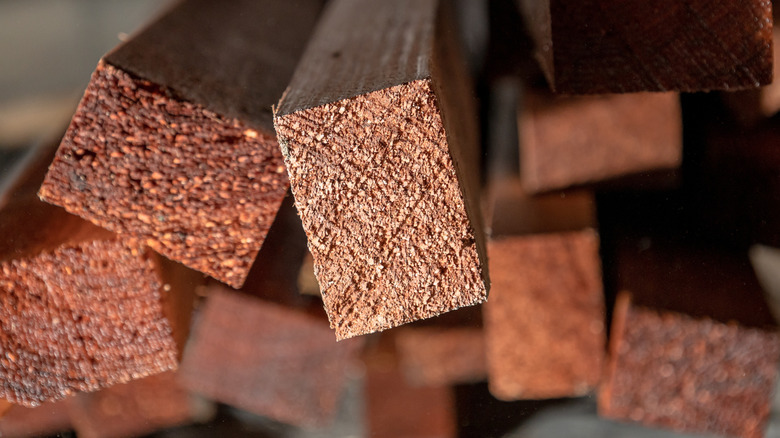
(261, 203)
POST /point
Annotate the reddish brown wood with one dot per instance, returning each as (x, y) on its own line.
(690, 375)
(739, 188)
(136, 408)
(381, 148)
(47, 419)
(568, 141)
(173, 140)
(607, 46)
(267, 359)
(544, 322)
(80, 309)
(397, 408)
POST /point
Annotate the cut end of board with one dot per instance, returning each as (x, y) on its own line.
(379, 197)
(673, 371)
(199, 188)
(55, 342)
(532, 352)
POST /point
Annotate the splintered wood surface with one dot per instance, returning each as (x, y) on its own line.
(173, 140)
(608, 46)
(689, 375)
(80, 309)
(380, 145)
(567, 141)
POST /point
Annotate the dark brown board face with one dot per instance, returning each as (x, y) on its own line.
(614, 46)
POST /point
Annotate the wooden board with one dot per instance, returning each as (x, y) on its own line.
(80, 309)
(173, 140)
(697, 279)
(572, 141)
(267, 359)
(441, 356)
(671, 371)
(544, 322)
(136, 408)
(750, 107)
(380, 145)
(617, 46)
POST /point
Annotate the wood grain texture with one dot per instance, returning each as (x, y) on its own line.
(71, 290)
(570, 141)
(608, 46)
(381, 151)
(544, 323)
(173, 141)
(668, 370)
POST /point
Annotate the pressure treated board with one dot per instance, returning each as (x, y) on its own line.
(80, 309)
(672, 371)
(173, 140)
(381, 146)
(136, 408)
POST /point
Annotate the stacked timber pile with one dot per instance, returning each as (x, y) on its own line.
(260, 205)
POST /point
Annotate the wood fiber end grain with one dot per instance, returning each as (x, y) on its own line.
(173, 140)
(544, 322)
(380, 160)
(80, 309)
(197, 187)
(689, 375)
(379, 197)
(79, 318)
